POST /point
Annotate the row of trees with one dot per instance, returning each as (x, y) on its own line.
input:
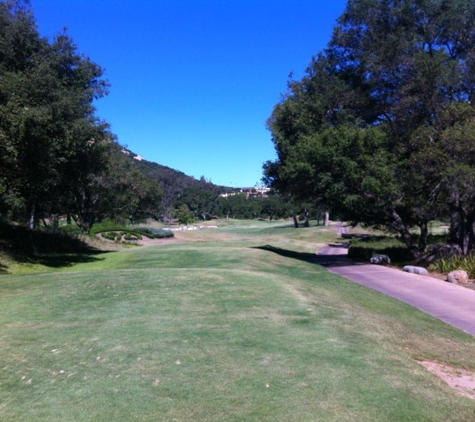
(203, 204)
(56, 156)
(382, 126)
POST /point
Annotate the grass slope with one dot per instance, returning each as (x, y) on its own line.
(220, 328)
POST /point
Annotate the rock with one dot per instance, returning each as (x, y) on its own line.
(457, 277)
(435, 252)
(380, 259)
(415, 270)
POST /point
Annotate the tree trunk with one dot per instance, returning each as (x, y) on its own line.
(401, 227)
(470, 229)
(424, 228)
(462, 229)
(456, 233)
(296, 223)
(307, 221)
(32, 216)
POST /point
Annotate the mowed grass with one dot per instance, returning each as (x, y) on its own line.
(220, 328)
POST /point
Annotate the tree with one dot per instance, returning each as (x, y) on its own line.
(87, 178)
(19, 42)
(131, 193)
(415, 60)
(46, 99)
(200, 201)
(354, 133)
(185, 215)
(56, 155)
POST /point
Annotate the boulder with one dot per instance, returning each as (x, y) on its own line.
(435, 252)
(457, 277)
(380, 259)
(415, 270)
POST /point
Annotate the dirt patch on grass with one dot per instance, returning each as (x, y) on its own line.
(462, 380)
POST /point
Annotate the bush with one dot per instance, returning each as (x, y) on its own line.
(111, 231)
(446, 265)
(130, 237)
(117, 236)
(114, 236)
(107, 226)
(155, 233)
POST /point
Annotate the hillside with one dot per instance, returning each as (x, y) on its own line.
(173, 182)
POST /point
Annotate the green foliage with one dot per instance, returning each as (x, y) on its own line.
(174, 184)
(111, 231)
(380, 129)
(184, 215)
(156, 233)
(446, 265)
(200, 201)
(131, 237)
(107, 225)
(114, 236)
(56, 156)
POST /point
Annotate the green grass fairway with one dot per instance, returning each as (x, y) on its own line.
(220, 328)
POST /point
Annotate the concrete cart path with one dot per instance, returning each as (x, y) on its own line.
(448, 302)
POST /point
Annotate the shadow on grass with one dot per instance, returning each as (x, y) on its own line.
(51, 249)
(68, 260)
(333, 256)
(292, 226)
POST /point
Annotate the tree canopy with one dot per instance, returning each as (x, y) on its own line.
(381, 125)
(56, 155)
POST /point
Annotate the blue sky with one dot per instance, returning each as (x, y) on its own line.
(193, 82)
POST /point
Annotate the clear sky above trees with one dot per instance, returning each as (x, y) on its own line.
(193, 82)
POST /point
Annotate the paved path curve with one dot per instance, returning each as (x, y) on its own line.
(448, 302)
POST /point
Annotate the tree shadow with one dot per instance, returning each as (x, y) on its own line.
(301, 256)
(51, 249)
(291, 225)
(333, 259)
(68, 260)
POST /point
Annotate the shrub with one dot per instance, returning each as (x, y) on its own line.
(132, 237)
(114, 236)
(155, 232)
(446, 265)
(107, 226)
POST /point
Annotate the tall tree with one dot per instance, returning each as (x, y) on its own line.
(47, 91)
(19, 42)
(397, 67)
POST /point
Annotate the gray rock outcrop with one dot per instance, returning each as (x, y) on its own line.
(415, 270)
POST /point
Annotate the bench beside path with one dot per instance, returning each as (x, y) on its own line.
(448, 302)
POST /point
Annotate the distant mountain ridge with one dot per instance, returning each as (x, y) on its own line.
(173, 182)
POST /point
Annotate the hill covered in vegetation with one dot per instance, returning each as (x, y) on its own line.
(173, 182)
